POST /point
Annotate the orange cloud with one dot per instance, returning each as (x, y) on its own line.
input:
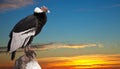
(81, 62)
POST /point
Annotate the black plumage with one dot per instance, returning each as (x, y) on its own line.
(29, 27)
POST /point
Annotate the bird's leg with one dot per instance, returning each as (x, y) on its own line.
(27, 48)
(30, 53)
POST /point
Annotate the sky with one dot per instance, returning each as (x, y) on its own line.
(79, 34)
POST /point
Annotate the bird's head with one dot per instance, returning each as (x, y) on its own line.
(41, 9)
(45, 9)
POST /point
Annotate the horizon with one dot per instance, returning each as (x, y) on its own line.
(79, 34)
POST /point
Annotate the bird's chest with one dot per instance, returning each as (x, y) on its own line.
(41, 20)
(39, 27)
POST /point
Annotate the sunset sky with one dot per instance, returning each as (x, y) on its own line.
(79, 34)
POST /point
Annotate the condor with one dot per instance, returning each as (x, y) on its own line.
(26, 29)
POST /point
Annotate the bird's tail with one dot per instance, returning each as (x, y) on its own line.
(9, 43)
(8, 49)
(13, 55)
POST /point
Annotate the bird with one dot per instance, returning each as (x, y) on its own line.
(22, 34)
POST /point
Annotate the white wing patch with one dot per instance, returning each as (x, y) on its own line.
(18, 39)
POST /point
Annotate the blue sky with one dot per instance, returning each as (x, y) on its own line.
(70, 21)
(84, 33)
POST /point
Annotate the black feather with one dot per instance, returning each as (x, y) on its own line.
(25, 24)
(13, 55)
(8, 47)
(36, 20)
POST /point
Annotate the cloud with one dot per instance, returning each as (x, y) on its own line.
(87, 10)
(112, 6)
(105, 7)
(100, 61)
(62, 45)
(13, 4)
(57, 46)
